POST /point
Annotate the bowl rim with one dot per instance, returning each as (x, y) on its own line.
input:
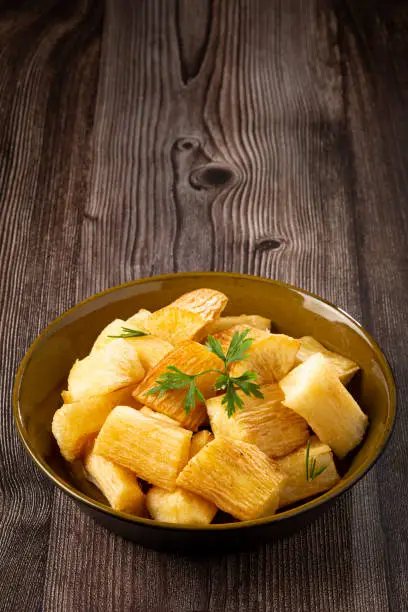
(304, 508)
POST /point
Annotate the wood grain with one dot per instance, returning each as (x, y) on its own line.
(146, 137)
(46, 111)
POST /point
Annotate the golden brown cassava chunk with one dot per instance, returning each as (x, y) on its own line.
(191, 358)
(345, 368)
(112, 367)
(208, 303)
(224, 337)
(296, 487)
(156, 452)
(199, 440)
(274, 428)
(175, 325)
(235, 476)
(74, 424)
(118, 484)
(256, 321)
(314, 391)
(271, 358)
(179, 506)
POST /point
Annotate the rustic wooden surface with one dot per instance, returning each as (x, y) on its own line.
(149, 136)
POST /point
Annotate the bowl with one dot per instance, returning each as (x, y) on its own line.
(43, 373)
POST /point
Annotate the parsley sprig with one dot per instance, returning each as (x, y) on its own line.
(128, 332)
(237, 351)
(174, 378)
(312, 471)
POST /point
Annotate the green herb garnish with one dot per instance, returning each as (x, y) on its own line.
(174, 378)
(127, 332)
(312, 471)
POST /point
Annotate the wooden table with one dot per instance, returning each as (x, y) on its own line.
(151, 136)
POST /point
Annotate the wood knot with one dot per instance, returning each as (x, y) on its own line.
(268, 244)
(187, 144)
(210, 176)
(90, 217)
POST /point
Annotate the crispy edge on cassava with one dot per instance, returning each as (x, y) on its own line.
(207, 303)
(314, 391)
(223, 323)
(235, 476)
(225, 336)
(192, 358)
(154, 451)
(274, 428)
(66, 397)
(158, 415)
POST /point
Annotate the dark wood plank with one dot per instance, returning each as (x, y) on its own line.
(48, 57)
(376, 97)
(224, 135)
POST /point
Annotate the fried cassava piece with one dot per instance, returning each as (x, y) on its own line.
(175, 325)
(235, 476)
(150, 349)
(345, 368)
(187, 318)
(158, 415)
(179, 506)
(296, 486)
(207, 303)
(192, 358)
(119, 485)
(225, 336)
(271, 358)
(274, 428)
(74, 424)
(314, 391)
(113, 366)
(154, 451)
(223, 323)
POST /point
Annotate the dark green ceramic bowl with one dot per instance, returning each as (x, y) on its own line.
(43, 373)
